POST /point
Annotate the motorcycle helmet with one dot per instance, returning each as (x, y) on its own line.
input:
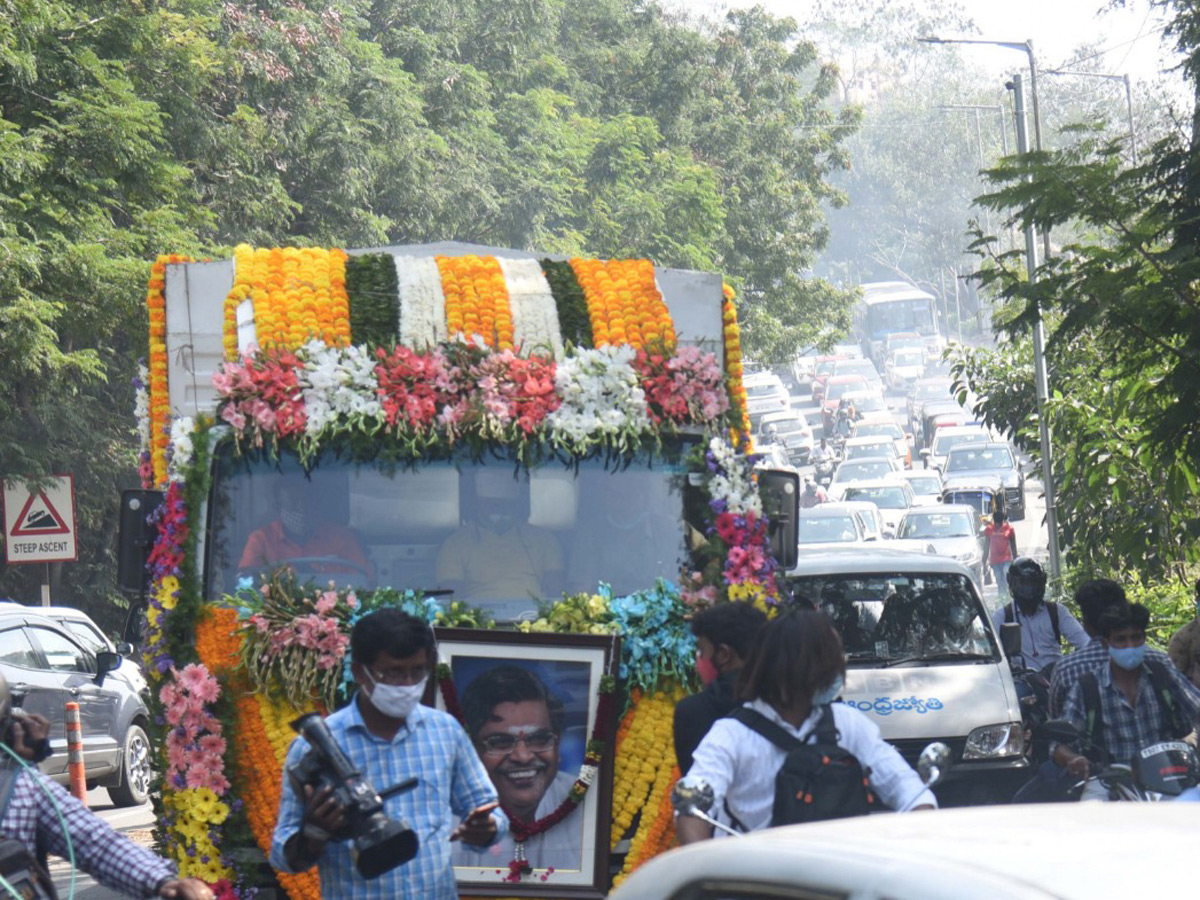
(1168, 768)
(1026, 580)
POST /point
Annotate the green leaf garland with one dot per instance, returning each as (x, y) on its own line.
(573, 319)
(374, 299)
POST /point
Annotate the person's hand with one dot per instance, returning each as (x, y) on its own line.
(1079, 767)
(478, 828)
(323, 815)
(186, 889)
(28, 731)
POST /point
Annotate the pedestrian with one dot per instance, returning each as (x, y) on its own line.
(389, 736)
(1184, 647)
(1002, 549)
(36, 810)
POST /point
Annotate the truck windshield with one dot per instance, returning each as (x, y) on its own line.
(459, 529)
(902, 616)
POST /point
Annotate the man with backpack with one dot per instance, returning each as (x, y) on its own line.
(1043, 625)
(1128, 704)
(790, 754)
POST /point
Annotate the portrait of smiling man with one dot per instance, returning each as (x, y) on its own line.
(517, 724)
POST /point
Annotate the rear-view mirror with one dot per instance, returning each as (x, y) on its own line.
(1060, 730)
(780, 490)
(1010, 638)
(106, 661)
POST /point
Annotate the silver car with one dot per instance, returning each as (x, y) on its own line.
(945, 529)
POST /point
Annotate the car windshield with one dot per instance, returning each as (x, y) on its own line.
(863, 367)
(878, 429)
(456, 529)
(835, 391)
(925, 484)
(824, 367)
(936, 525)
(969, 459)
(943, 444)
(866, 403)
(909, 358)
(934, 391)
(827, 529)
(765, 389)
(902, 616)
(982, 500)
(878, 448)
(889, 497)
(860, 470)
(787, 426)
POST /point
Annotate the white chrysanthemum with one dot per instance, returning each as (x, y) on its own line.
(338, 383)
(181, 446)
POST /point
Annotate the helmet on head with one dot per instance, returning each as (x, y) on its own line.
(1026, 580)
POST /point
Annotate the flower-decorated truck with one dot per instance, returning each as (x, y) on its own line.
(542, 455)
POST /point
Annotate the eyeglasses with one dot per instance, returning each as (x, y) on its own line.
(503, 744)
(397, 677)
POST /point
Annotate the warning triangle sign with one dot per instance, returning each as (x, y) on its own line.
(39, 517)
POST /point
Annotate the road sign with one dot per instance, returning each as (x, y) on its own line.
(39, 525)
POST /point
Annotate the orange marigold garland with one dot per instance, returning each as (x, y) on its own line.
(477, 302)
(159, 396)
(733, 365)
(624, 303)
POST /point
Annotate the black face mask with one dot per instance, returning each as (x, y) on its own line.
(1028, 607)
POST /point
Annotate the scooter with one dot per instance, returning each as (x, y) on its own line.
(823, 471)
(1166, 770)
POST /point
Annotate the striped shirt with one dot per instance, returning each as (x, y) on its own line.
(430, 746)
(1091, 658)
(109, 857)
(1126, 729)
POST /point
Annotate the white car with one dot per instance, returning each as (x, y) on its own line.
(883, 425)
(828, 524)
(1052, 851)
(765, 393)
(926, 485)
(947, 529)
(947, 438)
(891, 496)
(869, 468)
(790, 429)
(858, 447)
(904, 368)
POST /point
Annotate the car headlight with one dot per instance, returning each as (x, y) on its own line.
(995, 741)
(969, 556)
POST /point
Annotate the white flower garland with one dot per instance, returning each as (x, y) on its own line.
(339, 383)
(733, 481)
(422, 302)
(181, 447)
(601, 395)
(534, 313)
(141, 407)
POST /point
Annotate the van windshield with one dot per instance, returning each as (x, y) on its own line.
(902, 616)
(945, 443)
(480, 531)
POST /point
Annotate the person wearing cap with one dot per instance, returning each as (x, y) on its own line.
(38, 809)
(812, 495)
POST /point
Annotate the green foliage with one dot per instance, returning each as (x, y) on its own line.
(603, 127)
(371, 283)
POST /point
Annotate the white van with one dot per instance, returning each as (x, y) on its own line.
(924, 662)
(947, 438)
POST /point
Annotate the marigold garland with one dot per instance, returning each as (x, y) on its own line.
(733, 366)
(646, 750)
(624, 303)
(477, 301)
(160, 400)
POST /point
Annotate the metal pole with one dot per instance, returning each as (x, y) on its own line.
(1039, 354)
(1133, 154)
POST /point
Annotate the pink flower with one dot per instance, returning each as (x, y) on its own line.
(327, 601)
(196, 680)
(212, 744)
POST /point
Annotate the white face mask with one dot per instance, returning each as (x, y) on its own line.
(396, 700)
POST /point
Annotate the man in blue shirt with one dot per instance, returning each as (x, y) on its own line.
(390, 736)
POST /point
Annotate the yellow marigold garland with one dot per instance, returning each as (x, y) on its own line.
(733, 364)
(160, 400)
(477, 301)
(298, 294)
(624, 303)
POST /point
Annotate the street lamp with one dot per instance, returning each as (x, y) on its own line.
(1039, 333)
(1133, 155)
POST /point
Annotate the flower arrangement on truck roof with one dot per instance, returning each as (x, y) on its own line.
(489, 440)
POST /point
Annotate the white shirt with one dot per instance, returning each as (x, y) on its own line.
(560, 847)
(1039, 647)
(741, 764)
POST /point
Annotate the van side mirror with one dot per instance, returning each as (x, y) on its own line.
(135, 539)
(1010, 638)
(106, 661)
(780, 490)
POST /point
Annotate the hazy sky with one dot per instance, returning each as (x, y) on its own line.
(1130, 37)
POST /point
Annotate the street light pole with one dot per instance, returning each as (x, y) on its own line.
(1124, 79)
(1041, 379)
(1039, 333)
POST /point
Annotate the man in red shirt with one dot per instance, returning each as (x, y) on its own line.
(1002, 549)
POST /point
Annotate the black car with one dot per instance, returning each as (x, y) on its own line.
(47, 667)
(966, 463)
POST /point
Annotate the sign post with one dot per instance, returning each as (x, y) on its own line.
(39, 525)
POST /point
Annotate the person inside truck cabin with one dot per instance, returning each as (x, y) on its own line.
(496, 553)
(302, 534)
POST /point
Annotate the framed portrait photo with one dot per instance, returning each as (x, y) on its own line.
(532, 705)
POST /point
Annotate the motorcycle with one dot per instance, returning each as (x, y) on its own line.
(1164, 770)
(823, 471)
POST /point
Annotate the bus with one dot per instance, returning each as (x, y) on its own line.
(889, 307)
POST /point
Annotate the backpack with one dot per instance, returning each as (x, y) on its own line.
(1051, 607)
(1159, 678)
(818, 780)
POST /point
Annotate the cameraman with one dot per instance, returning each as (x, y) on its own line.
(35, 809)
(390, 736)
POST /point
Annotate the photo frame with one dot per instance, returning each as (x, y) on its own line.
(532, 703)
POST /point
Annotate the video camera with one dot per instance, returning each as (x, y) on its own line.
(380, 843)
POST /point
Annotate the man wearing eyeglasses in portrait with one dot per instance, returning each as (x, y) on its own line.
(516, 724)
